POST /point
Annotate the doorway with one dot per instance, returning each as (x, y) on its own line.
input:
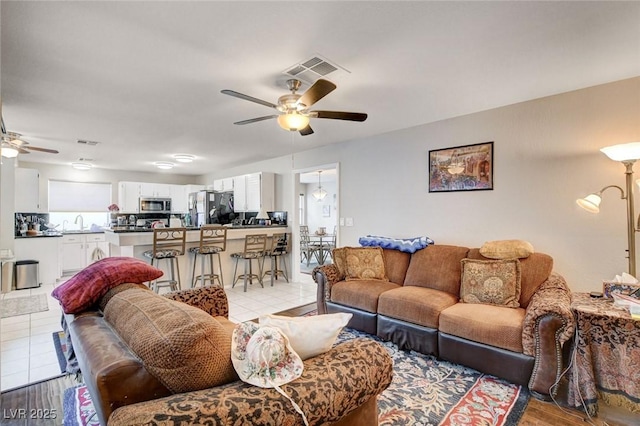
(316, 206)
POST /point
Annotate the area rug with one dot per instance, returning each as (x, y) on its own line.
(60, 344)
(14, 306)
(425, 391)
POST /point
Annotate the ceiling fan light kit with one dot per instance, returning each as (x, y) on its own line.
(294, 108)
(8, 151)
(12, 145)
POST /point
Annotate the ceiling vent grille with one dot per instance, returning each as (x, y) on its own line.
(314, 68)
(90, 143)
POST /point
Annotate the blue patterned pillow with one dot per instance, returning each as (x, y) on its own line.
(408, 245)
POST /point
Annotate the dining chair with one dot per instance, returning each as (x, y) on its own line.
(213, 241)
(280, 246)
(307, 248)
(254, 248)
(168, 244)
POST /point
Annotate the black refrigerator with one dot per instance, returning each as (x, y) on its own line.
(210, 207)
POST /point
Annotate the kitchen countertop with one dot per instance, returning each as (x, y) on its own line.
(58, 234)
(123, 229)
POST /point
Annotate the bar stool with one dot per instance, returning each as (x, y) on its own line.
(213, 241)
(168, 244)
(280, 246)
(254, 247)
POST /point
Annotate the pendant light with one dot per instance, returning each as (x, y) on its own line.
(319, 193)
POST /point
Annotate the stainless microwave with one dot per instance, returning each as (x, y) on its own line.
(155, 205)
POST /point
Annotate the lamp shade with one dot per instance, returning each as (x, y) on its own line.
(262, 214)
(623, 152)
(293, 121)
(319, 194)
(590, 203)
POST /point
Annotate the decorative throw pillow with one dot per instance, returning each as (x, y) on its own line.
(87, 286)
(507, 249)
(407, 245)
(365, 263)
(339, 256)
(309, 336)
(493, 282)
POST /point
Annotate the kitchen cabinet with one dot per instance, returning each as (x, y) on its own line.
(222, 185)
(128, 197)
(27, 190)
(80, 250)
(254, 191)
(179, 198)
(155, 190)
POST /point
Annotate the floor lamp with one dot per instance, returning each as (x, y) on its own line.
(626, 153)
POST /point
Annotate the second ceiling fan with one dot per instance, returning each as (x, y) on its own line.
(293, 108)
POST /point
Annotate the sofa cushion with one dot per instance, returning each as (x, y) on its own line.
(396, 264)
(494, 282)
(437, 267)
(414, 304)
(86, 287)
(339, 256)
(360, 294)
(492, 325)
(184, 347)
(507, 249)
(365, 263)
(534, 270)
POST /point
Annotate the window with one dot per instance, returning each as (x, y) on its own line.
(301, 204)
(81, 197)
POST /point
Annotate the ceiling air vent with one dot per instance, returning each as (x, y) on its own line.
(89, 143)
(314, 68)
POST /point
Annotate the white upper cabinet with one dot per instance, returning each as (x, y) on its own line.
(128, 197)
(155, 190)
(27, 190)
(225, 184)
(254, 191)
(179, 198)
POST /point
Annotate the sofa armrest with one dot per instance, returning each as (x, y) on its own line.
(212, 300)
(548, 324)
(325, 276)
(332, 385)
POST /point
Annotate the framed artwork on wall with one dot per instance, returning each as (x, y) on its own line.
(461, 168)
(326, 210)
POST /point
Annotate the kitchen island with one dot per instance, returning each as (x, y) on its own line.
(134, 241)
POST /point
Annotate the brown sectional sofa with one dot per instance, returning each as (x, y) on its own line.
(419, 308)
(146, 359)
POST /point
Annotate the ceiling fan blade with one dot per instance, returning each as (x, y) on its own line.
(339, 115)
(319, 90)
(36, 148)
(248, 98)
(306, 131)
(255, 120)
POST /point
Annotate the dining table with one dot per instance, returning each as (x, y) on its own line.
(323, 243)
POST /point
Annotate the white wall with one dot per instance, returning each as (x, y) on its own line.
(546, 155)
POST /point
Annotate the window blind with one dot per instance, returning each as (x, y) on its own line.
(67, 196)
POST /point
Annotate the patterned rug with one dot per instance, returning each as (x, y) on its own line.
(425, 391)
(14, 306)
(61, 347)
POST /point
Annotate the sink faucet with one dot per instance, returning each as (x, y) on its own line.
(64, 225)
(81, 221)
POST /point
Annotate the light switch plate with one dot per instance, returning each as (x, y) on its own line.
(349, 221)
(342, 221)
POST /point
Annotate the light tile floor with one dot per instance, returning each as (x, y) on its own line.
(27, 353)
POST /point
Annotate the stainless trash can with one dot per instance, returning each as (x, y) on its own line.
(26, 274)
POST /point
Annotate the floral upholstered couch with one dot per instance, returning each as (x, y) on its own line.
(149, 359)
(448, 301)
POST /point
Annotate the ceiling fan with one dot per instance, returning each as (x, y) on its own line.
(12, 145)
(293, 108)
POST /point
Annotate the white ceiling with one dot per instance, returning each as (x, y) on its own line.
(144, 78)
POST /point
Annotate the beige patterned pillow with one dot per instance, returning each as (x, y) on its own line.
(365, 263)
(493, 282)
(507, 249)
(339, 256)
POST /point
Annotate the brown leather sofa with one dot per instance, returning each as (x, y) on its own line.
(130, 388)
(419, 308)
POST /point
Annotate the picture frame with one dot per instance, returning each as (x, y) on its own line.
(461, 168)
(326, 210)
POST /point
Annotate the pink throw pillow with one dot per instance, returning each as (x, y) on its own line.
(87, 286)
